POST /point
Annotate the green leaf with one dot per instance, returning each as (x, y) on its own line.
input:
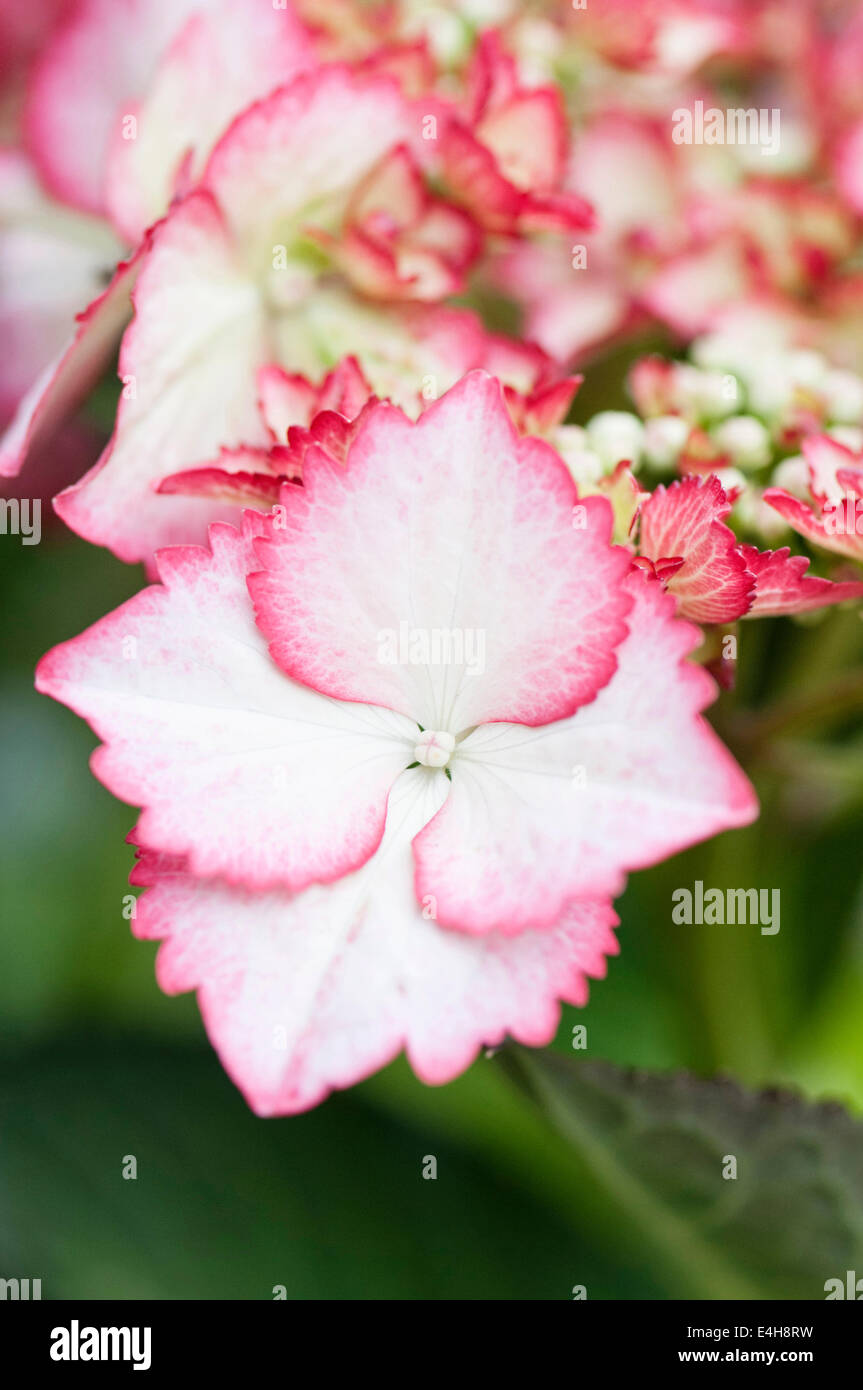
(659, 1146)
(331, 1204)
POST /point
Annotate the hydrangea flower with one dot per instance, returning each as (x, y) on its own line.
(226, 284)
(832, 516)
(397, 745)
(309, 225)
(129, 96)
(684, 540)
(123, 101)
(505, 157)
(53, 260)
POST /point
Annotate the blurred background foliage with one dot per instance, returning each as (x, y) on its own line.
(545, 1181)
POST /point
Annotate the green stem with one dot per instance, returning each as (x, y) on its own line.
(843, 694)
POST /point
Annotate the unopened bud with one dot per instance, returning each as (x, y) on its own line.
(843, 397)
(792, 475)
(771, 389)
(710, 395)
(745, 440)
(664, 438)
(807, 368)
(615, 435)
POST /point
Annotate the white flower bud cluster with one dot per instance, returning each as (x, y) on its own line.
(775, 377)
(664, 439)
(733, 407)
(584, 465)
(610, 438)
(615, 435)
(745, 440)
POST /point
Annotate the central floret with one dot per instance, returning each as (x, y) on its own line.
(434, 749)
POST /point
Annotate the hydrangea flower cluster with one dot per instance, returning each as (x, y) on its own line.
(414, 688)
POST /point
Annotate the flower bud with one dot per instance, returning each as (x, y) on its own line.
(792, 475)
(771, 388)
(753, 512)
(807, 368)
(710, 395)
(664, 438)
(843, 396)
(615, 435)
(584, 465)
(745, 440)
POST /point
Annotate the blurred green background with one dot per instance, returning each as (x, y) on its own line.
(545, 1182)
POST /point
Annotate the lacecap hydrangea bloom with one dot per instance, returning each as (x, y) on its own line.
(397, 743)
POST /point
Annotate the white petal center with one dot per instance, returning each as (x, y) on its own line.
(434, 749)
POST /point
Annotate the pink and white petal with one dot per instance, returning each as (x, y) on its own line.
(410, 354)
(344, 389)
(308, 143)
(329, 432)
(826, 459)
(65, 382)
(411, 63)
(623, 166)
(390, 271)
(802, 519)
(782, 584)
(516, 364)
(189, 360)
(423, 275)
(527, 136)
(89, 77)
(541, 411)
(25, 27)
(849, 167)
(284, 400)
(851, 480)
(454, 526)
(242, 477)
(686, 520)
(295, 410)
(254, 777)
(309, 993)
(238, 489)
(567, 310)
(451, 232)
(685, 38)
(555, 212)
(539, 817)
(222, 60)
(492, 75)
(690, 291)
(581, 317)
(472, 175)
(52, 260)
(269, 460)
(394, 186)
